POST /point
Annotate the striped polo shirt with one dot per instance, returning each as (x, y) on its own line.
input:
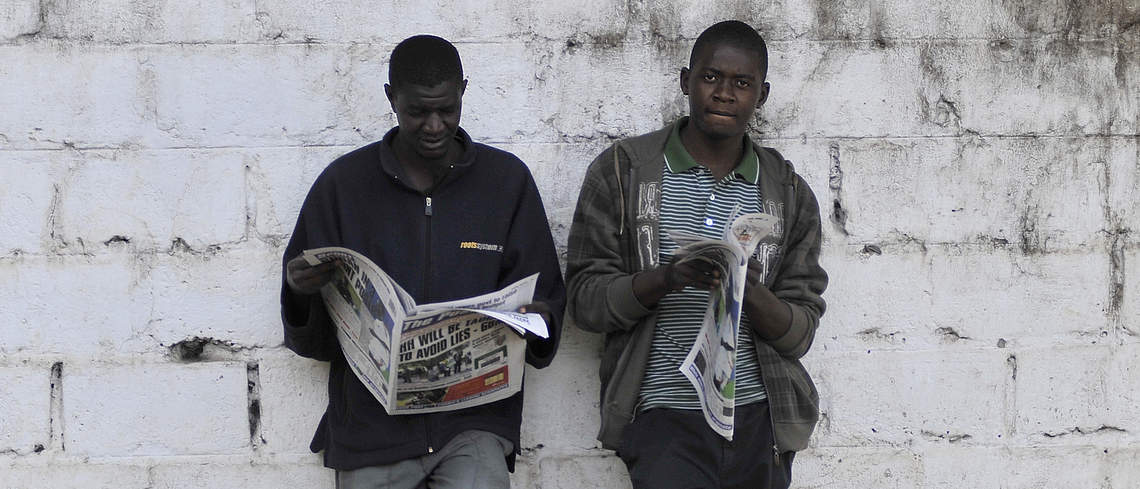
(693, 201)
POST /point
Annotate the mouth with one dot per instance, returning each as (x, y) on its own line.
(433, 144)
(721, 114)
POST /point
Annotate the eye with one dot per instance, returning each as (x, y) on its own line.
(709, 77)
(743, 83)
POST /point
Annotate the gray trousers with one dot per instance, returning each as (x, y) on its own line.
(472, 460)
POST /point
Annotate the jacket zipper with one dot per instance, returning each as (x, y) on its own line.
(427, 248)
(427, 289)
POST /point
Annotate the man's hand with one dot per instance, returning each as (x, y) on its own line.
(768, 315)
(306, 279)
(698, 274)
(651, 285)
(542, 309)
(755, 274)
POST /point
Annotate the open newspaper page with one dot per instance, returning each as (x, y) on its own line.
(447, 356)
(711, 363)
(467, 352)
(365, 305)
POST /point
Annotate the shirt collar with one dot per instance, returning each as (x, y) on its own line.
(678, 159)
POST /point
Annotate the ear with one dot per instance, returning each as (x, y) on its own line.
(463, 87)
(685, 72)
(391, 96)
(765, 88)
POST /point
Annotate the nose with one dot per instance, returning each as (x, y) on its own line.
(724, 92)
(434, 124)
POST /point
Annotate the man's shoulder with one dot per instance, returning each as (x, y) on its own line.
(350, 166)
(491, 155)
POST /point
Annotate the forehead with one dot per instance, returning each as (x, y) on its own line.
(727, 58)
(442, 93)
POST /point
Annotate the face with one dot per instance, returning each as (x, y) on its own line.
(428, 116)
(725, 87)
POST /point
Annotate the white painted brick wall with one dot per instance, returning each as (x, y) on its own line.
(155, 409)
(977, 165)
(25, 400)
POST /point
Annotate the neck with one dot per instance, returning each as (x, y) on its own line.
(425, 173)
(719, 155)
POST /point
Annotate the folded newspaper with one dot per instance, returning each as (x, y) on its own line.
(431, 357)
(711, 363)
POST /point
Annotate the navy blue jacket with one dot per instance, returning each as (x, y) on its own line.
(361, 202)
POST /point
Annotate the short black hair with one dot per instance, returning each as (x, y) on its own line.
(424, 60)
(733, 33)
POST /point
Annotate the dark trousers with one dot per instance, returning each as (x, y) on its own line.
(676, 449)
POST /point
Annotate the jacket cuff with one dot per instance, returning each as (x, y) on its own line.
(623, 303)
(798, 326)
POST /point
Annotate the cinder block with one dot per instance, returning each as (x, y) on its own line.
(956, 466)
(25, 400)
(1059, 468)
(231, 296)
(27, 197)
(775, 19)
(1078, 395)
(257, 476)
(1041, 299)
(937, 89)
(1125, 471)
(152, 21)
(558, 169)
(898, 397)
(1123, 178)
(277, 181)
(57, 94)
(976, 19)
(1028, 466)
(392, 21)
(856, 468)
(1013, 192)
(73, 475)
(232, 95)
(561, 409)
(18, 17)
(155, 409)
(86, 306)
(154, 198)
(294, 394)
(1023, 92)
(595, 102)
(876, 301)
(580, 470)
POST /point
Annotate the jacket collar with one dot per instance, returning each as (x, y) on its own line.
(391, 165)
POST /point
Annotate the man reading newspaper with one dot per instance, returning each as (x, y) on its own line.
(623, 281)
(446, 218)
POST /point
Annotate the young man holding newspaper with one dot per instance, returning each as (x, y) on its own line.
(695, 176)
(446, 218)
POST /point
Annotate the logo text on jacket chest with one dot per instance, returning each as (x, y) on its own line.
(472, 245)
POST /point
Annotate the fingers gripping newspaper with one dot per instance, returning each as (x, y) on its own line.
(432, 357)
(711, 363)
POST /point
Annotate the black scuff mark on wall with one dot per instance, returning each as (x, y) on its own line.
(1085, 431)
(253, 390)
(118, 238)
(946, 435)
(55, 409)
(179, 245)
(1031, 242)
(951, 334)
(835, 183)
(199, 349)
